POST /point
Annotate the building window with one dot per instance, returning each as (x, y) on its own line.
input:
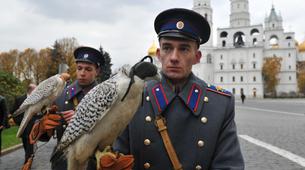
(206, 16)
(221, 57)
(221, 67)
(233, 66)
(290, 78)
(209, 59)
(253, 55)
(221, 79)
(289, 55)
(241, 66)
(241, 79)
(288, 44)
(254, 41)
(223, 43)
(233, 79)
(289, 67)
(254, 65)
(254, 79)
(241, 90)
(233, 90)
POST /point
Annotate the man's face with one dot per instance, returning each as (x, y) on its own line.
(177, 57)
(86, 73)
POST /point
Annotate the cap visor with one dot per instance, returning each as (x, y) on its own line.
(178, 35)
(84, 60)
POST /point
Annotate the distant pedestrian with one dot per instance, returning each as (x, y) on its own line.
(3, 116)
(28, 148)
(243, 97)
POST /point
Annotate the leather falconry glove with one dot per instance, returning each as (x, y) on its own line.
(109, 160)
(28, 164)
(47, 124)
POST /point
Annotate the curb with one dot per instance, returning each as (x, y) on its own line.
(10, 149)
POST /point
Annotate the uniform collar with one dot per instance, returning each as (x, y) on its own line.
(75, 88)
(191, 94)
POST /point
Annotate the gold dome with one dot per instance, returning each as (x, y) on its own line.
(152, 50)
(302, 47)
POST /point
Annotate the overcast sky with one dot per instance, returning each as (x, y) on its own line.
(124, 28)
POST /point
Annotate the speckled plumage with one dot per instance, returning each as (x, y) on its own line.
(102, 114)
(91, 109)
(42, 96)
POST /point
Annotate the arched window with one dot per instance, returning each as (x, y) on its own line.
(288, 38)
(254, 32)
(223, 34)
(254, 79)
(206, 16)
(239, 39)
(241, 78)
(274, 40)
(221, 79)
(233, 79)
(241, 66)
(233, 90)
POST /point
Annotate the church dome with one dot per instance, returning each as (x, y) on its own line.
(302, 47)
(152, 50)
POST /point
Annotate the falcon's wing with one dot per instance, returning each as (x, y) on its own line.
(42, 91)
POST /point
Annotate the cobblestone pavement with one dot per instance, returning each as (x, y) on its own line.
(267, 120)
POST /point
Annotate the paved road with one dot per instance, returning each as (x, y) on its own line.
(14, 160)
(272, 134)
(272, 137)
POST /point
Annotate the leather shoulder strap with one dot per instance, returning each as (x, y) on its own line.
(160, 123)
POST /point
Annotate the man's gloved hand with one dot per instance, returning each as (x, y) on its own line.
(47, 124)
(108, 160)
(11, 120)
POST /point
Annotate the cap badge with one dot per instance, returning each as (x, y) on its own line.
(180, 25)
(86, 56)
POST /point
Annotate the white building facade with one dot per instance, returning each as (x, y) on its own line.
(236, 62)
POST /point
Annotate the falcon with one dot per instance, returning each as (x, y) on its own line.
(41, 97)
(104, 113)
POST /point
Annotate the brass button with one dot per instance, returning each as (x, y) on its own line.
(200, 143)
(198, 167)
(66, 102)
(147, 165)
(148, 119)
(204, 119)
(146, 142)
(206, 99)
(147, 98)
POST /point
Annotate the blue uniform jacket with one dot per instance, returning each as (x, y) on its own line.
(65, 101)
(200, 123)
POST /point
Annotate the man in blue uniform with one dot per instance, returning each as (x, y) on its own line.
(183, 122)
(89, 62)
